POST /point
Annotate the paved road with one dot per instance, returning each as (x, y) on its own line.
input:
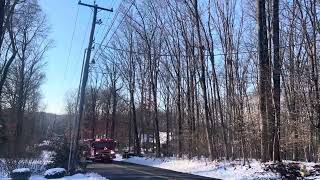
(128, 171)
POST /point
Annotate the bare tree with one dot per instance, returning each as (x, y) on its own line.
(264, 76)
(276, 81)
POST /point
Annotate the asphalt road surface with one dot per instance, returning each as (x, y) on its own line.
(125, 171)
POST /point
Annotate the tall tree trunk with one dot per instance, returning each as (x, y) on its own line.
(2, 17)
(135, 127)
(107, 114)
(269, 101)
(189, 109)
(167, 106)
(263, 66)
(156, 120)
(8, 24)
(142, 112)
(93, 111)
(4, 74)
(130, 129)
(179, 109)
(276, 81)
(153, 82)
(114, 110)
(203, 83)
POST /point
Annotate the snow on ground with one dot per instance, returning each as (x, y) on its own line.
(222, 170)
(88, 176)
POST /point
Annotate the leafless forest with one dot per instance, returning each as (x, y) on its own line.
(223, 79)
(23, 44)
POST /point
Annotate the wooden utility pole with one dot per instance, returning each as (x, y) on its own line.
(74, 149)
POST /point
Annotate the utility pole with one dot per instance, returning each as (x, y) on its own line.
(74, 149)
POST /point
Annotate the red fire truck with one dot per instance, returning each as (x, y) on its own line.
(102, 150)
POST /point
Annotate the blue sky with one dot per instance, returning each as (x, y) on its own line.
(63, 71)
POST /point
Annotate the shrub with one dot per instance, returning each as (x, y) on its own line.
(61, 156)
(21, 174)
(55, 173)
(61, 147)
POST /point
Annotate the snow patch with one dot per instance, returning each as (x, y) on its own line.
(44, 143)
(46, 156)
(21, 170)
(54, 171)
(118, 157)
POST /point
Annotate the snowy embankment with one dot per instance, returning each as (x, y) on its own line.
(222, 170)
(88, 176)
(38, 166)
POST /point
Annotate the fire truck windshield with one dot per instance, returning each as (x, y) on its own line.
(103, 144)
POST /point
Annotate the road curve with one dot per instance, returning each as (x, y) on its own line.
(129, 171)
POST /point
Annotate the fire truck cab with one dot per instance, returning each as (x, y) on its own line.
(102, 150)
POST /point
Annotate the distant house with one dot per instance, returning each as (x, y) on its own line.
(148, 141)
(150, 137)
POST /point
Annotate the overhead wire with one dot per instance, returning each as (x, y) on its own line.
(109, 29)
(133, 1)
(82, 45)
(216, 54)
(105, 25)
(71, 44)
(106, 30)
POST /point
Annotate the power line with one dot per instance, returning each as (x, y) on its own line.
(218, 54)
(126, 13)
(104, 24)
(71, 43)
(133, 1)
(169, 55)
(110, 27)
(82, 48)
